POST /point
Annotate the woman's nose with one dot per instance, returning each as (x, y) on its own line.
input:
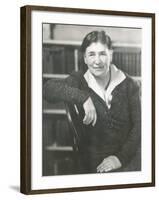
(97, 59)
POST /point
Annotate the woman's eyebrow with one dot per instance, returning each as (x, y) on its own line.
(91, 52)
(94, 52)
(103, 52)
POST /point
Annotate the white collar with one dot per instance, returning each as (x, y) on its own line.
(117, 76)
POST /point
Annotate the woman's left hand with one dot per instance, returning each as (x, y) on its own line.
(110, 163)
(90, 112)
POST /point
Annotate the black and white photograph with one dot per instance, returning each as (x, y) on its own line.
(91, 99)
(87, 99)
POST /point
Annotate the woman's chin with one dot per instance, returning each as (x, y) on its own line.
(98, 74)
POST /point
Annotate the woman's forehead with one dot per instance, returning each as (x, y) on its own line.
(96, 46)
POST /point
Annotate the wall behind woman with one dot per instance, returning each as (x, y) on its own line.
(77, 33)
(117, 34)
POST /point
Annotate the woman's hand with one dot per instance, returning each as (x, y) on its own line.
(110, 163)
(90, 112)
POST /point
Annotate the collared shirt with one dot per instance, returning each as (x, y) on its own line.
(117, 76)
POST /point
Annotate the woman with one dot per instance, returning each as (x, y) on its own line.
(111, 102)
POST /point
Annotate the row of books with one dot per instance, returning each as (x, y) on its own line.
(56, 131)
(129, 62)
(58, 59)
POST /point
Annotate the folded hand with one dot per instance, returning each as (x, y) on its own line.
(110, 163)
(90, 112)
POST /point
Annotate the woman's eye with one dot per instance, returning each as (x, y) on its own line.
(91, 55)
(103, 54)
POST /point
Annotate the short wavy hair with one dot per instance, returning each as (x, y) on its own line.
(96, 36)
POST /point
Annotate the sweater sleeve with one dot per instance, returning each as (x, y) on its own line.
(133, 141)
(64, 90)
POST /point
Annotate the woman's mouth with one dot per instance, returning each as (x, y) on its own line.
(98, 68)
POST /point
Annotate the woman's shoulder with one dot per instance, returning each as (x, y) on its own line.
(77, 74)
(133, 80)
(76, 79)
(133, 83)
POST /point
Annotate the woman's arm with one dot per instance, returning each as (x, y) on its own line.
(133, 142)
(64, 90)
(68, 90)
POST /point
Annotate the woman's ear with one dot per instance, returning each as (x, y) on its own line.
(85, 59)
(111, 55)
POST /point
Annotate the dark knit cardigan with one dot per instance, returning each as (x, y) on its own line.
(117, 130)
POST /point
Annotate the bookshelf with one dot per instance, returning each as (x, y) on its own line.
(59, 59)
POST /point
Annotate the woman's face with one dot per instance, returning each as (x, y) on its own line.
(98, 58)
